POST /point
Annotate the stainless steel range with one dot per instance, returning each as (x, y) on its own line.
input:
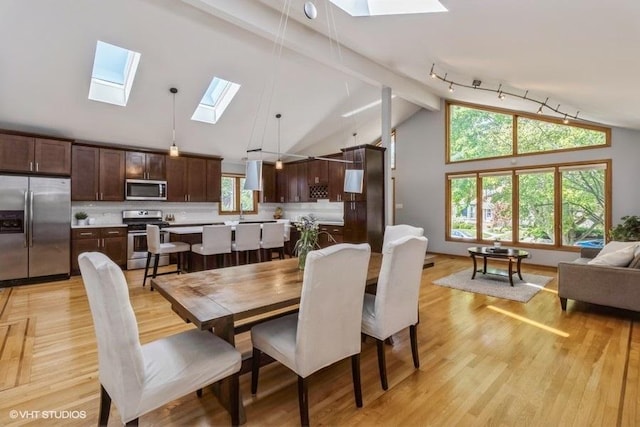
(136, 222)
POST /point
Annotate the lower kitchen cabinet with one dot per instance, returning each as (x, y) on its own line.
(111, 241)
(334, 230)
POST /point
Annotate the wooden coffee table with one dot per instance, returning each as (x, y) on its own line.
(513, 255)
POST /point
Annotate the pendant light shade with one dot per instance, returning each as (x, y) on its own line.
(253, 175)
(354, 178)
(173, 150)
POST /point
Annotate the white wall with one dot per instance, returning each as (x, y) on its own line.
(420, 178)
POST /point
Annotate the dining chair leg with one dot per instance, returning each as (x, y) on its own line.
(303, 400)
(132, 423)
(234, 399)
(179, 263)
(413, 332)
(237, 258)
(199, 392)
(204, 261)
(105, 407)
(382, 367)
(146, 269)
(355, 372)
(255, 370)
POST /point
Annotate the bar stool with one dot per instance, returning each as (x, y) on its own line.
(155, 247)
(216, 240)
(247, 239)
(272, 239)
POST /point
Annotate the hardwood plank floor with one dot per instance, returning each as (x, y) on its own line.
(484, 361)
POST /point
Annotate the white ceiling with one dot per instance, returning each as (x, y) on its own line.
(580, 54)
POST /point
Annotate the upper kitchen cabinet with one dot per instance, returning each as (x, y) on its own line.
(317, 172)
(187, 179)
(336, 179)
(282, 184)
(214, 180)
(298, 189)
(150, 166)
(97, 174)
(269, 193)
(34, 155)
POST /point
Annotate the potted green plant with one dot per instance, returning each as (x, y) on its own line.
(81, 217)
(308, 241)
(628, 230)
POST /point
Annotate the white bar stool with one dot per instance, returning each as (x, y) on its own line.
(247, 239)
(216, 240)
(156, 248)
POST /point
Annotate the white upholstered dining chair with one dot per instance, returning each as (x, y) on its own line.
(155, 248)
(140, 378)
(395, 305)
(216, 240)
(272, 239)
(247, 239)
(394, 232)
(327, 327)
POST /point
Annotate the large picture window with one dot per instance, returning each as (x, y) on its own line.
(551, 206)
(475, 132)
(234, 199)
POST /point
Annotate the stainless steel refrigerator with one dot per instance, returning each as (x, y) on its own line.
(35, 222)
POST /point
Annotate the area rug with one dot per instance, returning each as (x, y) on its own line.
(496, 286)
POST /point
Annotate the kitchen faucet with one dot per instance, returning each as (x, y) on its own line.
(241, 214)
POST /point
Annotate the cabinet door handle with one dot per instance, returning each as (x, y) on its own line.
(30, 166)
(101, 196)
(97, 198)
(113, 232)
(37, 168)
(86, 234)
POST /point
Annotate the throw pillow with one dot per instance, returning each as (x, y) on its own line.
(614, 246)
(619, 258)
(635, 263)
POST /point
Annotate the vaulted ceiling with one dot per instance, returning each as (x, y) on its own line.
(580, 54)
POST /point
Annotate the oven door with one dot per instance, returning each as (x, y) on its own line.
(137, 250)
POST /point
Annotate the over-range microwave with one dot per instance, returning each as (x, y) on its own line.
(144, 189)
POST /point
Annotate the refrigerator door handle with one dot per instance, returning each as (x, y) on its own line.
(30, 219)
(26, 207)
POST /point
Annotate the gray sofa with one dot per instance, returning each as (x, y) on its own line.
(611, 286)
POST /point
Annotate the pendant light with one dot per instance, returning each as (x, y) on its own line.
(354, 178)
(173, 150)
(279, 161)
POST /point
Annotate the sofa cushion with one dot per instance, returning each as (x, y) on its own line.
(618, 258)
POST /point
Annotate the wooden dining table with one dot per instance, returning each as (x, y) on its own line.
(225, 300)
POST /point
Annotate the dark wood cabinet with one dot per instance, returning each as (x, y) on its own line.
(111, 175)
(317, 172)
(336, 179)
(364, 214)
(214, 180)
(187, 179)
(34, 155)
(282, 185)
(298, 189)
(150, 166)
(335, 231)
(112, 241)
(97, 174)
(269, 193)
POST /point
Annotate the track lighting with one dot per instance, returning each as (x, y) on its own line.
(502, 94)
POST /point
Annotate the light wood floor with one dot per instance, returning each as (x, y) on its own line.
(484, 361)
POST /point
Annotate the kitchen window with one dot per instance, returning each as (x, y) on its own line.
(234, 199)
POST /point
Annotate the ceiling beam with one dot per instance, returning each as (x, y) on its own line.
(263, 21)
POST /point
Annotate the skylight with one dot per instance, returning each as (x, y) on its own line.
(215, 100)
(114, 69)
(388, 7)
